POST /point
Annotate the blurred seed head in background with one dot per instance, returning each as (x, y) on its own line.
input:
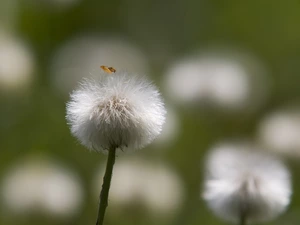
(222, 79)
(40, 185)
(152, 185)
(240, 179)
(17, 64)
(280, 132)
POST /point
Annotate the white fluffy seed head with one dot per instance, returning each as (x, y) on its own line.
(220, 78)
(16, 65)
(280, 132)
(239, 180)
(42, 186)
(116, 110)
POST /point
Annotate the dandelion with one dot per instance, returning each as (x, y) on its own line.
(218, 78)
(16, 64)
(243, 186)
(113, 113)
(41, 185)
(280, 132)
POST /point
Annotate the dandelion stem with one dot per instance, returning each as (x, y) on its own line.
(243, 218)
(106, 185)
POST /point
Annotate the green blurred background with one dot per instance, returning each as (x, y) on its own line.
(32, 116)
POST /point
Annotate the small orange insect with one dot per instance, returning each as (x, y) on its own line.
(108, 69)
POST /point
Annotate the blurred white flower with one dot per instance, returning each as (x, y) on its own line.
(280, 132)
(116, 110)
(39, 185)
(82, 56)
(184, 82)
(16, 64)
(229, 83)
(240, 180)
(152, 185)
(224, 79)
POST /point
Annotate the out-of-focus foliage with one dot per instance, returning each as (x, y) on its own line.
(149, 37)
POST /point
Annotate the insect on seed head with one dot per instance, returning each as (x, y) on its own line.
(108, 69)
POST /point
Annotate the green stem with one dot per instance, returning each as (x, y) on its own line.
(243, 218)
(106, 185)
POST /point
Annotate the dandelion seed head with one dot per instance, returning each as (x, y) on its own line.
(225, 79)
(280, 132)
(119, 110)
(40, 185)
(16, 64)
(239, 179)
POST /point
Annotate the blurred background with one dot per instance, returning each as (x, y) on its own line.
(228, 71)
